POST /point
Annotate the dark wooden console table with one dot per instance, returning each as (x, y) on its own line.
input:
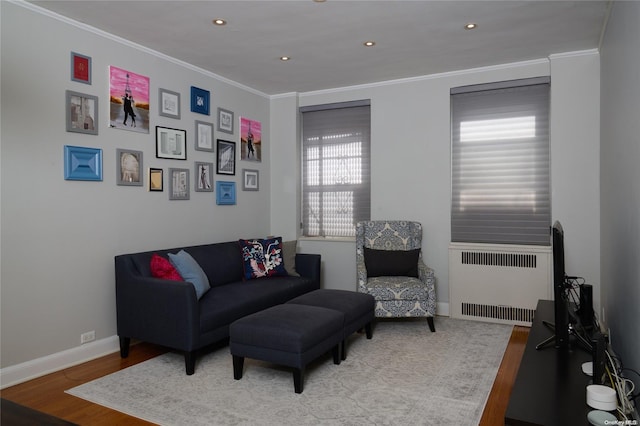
(550, 388)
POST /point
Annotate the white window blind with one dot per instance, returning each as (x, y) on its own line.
(500, 163)
(336, 188)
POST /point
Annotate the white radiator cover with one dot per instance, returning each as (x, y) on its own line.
(498, 283)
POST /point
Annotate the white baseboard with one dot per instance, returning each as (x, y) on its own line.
(442, 309)
(20, 373)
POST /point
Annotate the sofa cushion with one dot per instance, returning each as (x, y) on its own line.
(393, 263)
(289, 249)
(262, 258)
(190, 271)
(162, 268)
(224, 304)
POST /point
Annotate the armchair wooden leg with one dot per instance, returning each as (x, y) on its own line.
(431, 326)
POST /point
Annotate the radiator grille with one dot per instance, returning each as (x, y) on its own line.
(498, 312)
(516, 260)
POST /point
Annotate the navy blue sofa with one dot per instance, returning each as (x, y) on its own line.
(168, 313)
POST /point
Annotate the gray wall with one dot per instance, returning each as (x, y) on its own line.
(620, 181)
(410, 161)
(59, 237)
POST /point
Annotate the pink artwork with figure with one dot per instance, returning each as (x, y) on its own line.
(128, 100)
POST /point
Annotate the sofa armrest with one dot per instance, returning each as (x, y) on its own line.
(159, 311)
(308, 265)
(361, 271)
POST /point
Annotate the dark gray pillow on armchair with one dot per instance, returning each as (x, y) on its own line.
(385, 263)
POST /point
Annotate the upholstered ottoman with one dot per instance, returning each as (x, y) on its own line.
(358, 309)
(289, 335)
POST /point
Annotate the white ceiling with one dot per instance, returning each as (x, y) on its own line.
(325, 40)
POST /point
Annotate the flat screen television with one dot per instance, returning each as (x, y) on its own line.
(561, 302)
(566, 321)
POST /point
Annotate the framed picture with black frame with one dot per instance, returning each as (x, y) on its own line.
(171, 143)
(226, 157)
(156, 179)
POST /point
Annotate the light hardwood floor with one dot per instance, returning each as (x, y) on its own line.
(46, 393)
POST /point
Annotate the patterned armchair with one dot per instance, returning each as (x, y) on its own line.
(396, 296)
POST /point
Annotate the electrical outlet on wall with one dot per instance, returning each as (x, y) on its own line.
(87, 337)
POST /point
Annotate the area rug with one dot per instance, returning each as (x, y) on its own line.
(405, 375)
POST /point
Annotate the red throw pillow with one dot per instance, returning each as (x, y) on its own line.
(162, 268)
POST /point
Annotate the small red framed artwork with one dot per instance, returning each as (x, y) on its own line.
(80, 68)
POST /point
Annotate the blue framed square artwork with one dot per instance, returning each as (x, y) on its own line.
(225, 193)
(82, 163)
(200, 100)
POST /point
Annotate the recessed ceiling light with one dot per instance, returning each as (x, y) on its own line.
(219, 21)
(285, 58)
(470, 26)
(369, 43)
(319, 1)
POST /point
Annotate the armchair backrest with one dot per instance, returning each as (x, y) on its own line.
(387, 235)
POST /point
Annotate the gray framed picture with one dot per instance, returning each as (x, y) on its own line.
(203, 177)
(169, 103)
(250, 180)
(129, 167)
(225, 121)
(178, 184)
(204, 136)
(80, 68)
(81, 113)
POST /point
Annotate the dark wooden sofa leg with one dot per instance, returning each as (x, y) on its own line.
(238, 365)
(431, 326)
(124, 346)
(338, 351)
(298, 379)
(190, 362)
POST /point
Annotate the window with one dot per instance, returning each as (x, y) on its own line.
(336, 189)
(500, 163)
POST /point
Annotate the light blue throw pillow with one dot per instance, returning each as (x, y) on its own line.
(190, 271)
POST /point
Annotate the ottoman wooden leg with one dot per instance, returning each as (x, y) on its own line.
(368, 330)
(238, 365)
(298, 379)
